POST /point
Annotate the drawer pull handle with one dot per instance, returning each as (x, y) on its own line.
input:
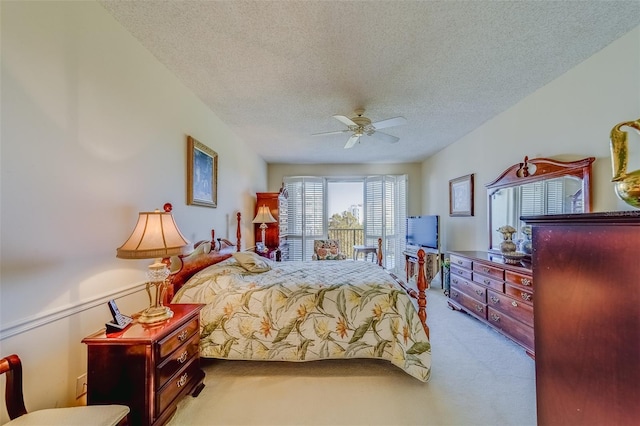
(526, 296)
(479, 292)
(494, 299)
(485, 269)
(183, 335)
(525, 281)
(455, 294)
(487, 282)
(495, 317)
(455, 281)
(514, 304)
(459, 262)
(183, 357)
(183, 380)
(479, 308)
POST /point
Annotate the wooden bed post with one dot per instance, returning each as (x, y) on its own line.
(238, 233)
(379, 252)
(422, 286)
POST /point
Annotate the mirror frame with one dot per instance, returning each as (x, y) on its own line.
(544, 169)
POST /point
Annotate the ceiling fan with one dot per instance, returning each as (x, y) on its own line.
(362, 126)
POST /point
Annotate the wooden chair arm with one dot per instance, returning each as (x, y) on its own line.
(14, 398)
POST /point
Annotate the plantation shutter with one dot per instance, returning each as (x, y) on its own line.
(306, 215)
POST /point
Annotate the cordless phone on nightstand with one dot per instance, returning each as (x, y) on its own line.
(120, 322)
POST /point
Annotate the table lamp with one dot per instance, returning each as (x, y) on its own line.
(155, 236)
(263, 217)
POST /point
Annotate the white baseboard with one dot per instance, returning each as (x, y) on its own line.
(46, 317)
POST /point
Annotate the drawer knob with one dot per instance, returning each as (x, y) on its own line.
(495, 317)
(183, 357)
(183, 380)
(479, 308)
(459, 262)
(526, 296)
(485, 269)
(183, 335)
(454, 294)
(455, 281)
(479, 292)
(525, 281)
(514, 304)
(494, 299)
(487, 282)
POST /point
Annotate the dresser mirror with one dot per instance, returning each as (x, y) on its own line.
(538, 186)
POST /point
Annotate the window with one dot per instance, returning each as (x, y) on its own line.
(384, 212)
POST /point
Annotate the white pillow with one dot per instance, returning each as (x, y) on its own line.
(252, 262)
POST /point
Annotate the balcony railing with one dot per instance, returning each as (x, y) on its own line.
(348, 238)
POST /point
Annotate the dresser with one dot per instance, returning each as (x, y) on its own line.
(494, 292)
(276, 233)
(587, 318)
(148, 368)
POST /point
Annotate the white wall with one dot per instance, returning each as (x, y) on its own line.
(94, 130)
(568, 119)
(277, 172)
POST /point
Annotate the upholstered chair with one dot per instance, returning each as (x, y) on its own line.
(327, 250)
(96, 415)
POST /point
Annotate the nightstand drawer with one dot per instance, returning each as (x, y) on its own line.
(176, 361)
(177, 338)
(182, 381)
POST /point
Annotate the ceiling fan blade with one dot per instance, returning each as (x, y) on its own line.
(352, 141)
(389, 122)
(330, 133)
(345, 120)
(385, 137)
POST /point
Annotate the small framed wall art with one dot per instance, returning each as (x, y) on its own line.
(202, 174)
(461, 196)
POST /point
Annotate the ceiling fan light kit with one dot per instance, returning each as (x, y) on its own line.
(362, 126)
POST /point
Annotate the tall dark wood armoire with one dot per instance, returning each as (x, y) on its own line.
(587, 318)
(276, 233)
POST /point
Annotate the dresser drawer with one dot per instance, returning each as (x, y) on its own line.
(460, 261)
(492, 271)
(177, 338)
(517, 330)
(176, 360)
(514, 308)
(472, 305)
(470, 288)
(519, 294)
(520, 279)
(464, 273)
(180, 382)
(495, 284)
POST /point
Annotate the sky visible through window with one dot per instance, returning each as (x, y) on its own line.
(342, 195)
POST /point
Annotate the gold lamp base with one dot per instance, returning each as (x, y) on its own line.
(155, 314)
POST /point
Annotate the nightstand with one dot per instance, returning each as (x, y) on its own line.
(148, 368)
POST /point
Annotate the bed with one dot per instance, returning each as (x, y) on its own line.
(258, 309)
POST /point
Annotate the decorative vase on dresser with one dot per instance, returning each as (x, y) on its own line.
(587, 318)
(496, 293)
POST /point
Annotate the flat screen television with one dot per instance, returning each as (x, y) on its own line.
(423, 232)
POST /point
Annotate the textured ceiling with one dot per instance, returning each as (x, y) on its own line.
(276, 71)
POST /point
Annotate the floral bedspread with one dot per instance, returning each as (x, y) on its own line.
(301, 311)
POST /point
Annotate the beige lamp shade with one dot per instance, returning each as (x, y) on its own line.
(155, 236)
(264, 216)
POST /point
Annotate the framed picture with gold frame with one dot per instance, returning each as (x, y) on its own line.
(202, 174)
(461, 196)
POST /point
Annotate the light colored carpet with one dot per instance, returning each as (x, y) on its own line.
(478, 378)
